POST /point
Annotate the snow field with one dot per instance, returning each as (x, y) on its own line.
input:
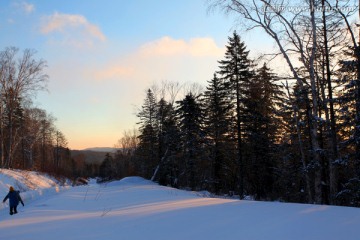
(135, 208)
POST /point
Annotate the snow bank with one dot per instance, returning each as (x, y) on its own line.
(130, 181)
(32, 185)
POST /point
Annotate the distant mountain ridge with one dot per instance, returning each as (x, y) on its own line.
(101, 149)
(95, 155)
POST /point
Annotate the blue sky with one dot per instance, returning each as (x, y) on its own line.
(103, 55)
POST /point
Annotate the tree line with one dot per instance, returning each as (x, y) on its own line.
(255, 133)
(29, 138)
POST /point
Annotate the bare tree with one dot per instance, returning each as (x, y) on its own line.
(129, 141)
(19, 78)
(332, 38)
(60, 144)
(32, 135)
(167, 90)
(47, 131)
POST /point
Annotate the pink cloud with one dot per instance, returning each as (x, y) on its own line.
(72, 26)
(196, 47)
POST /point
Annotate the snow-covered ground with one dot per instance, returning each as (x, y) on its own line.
(32, 185)
(134, 208)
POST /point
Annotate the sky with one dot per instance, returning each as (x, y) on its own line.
(103, 55)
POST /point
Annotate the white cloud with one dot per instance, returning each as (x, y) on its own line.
(28, 8)
(196, 47)
(164, 58)
(75, 29)
(25, 7)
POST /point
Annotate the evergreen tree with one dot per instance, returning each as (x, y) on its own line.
(236, 72)
(349, 175)
(148, 144)
(262, 123)
(168, 136)
(190, 117)
(161, 117)
(107, 169)
(218, 117)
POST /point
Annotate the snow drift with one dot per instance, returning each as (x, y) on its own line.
(32, 185)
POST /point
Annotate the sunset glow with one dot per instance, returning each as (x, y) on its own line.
(101, 58)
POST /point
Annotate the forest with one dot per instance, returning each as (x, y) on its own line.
(252, 132)
(249, 133)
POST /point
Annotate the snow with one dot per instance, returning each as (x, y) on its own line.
(32, 185)
(135, 208)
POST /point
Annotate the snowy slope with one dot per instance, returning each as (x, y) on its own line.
(32, 185)
(134, 208)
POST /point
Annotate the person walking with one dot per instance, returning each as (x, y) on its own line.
(14, 199)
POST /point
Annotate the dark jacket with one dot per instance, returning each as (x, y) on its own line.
(14, 198)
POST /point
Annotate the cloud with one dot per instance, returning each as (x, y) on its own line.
(75, 29)
(196, 47)
(114, 72)
(25, 7)
(164, 58)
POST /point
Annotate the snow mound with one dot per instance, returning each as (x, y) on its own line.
(131, 181)
(135, 180)
(25, 180)
(31, 185)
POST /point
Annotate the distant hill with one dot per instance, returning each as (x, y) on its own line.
(102, 149)
(89, 156)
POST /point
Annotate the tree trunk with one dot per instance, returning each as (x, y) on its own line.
(238, 126)
(314, 129)
(357, 99)
(333, 175)
(10, 142)
(158, 166)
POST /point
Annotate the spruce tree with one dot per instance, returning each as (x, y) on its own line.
(218, 110)
(349, 165)
(168, 136)
(148, 137)
(190, 117)
(262, 124)
(107, 169)
(235, 70)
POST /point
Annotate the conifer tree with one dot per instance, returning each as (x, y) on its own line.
(218, 110)
(107, 169)
(236, 72)
(190, 117)
(262, 123)
(148, 134)
(168, 136)
(347, 124)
